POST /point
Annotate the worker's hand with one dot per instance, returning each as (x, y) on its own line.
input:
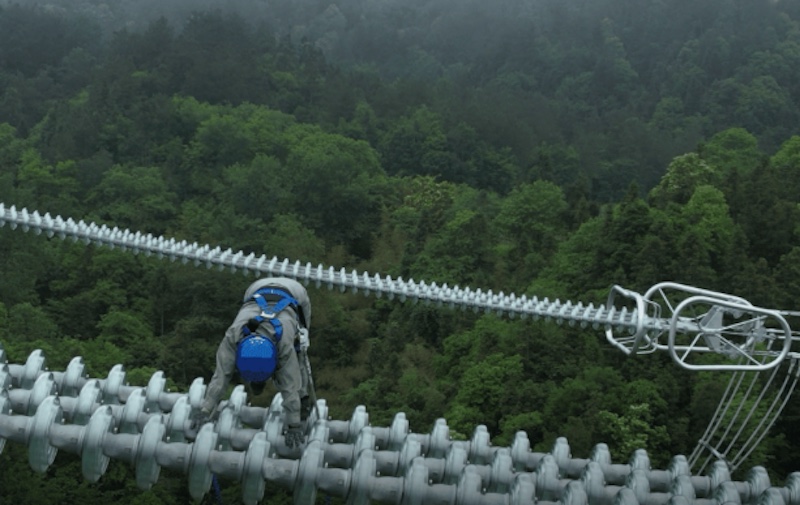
(305, 342)
(294, 436)
(198, 418)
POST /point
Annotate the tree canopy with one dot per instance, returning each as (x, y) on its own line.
(544, 148)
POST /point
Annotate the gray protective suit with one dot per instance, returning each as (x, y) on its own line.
(291, 377)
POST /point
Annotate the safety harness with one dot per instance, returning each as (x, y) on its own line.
(270, 312)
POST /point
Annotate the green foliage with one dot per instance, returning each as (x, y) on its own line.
(341, 182)
(631, 431)
(485, 390)
(732, 151)
(39, 184)
(28, 323)
(683, 175)
(515, 160)
(135, 197)
(190, 351)
(458, 252)
(786, 162)
(129, 331)
(764, 105)
(531, 222)
(713, 229)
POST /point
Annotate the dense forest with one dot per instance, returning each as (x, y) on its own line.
(547, 147)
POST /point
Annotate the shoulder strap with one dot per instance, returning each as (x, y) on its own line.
(286, 300)
(269, 312)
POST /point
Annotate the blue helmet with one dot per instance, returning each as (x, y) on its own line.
(256, 358)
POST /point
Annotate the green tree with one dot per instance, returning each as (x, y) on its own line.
(485, 393)
(218, 57)
(25, 263)
(690, 75)
(613, 76)
(786, 163)
(765, 201)
(134, 334)
(339, 184)
(669, 115)
(89, 283)
(711, 228)
(45, 186)
(190, 351)
(458, 254)
(256, 189)
(11, 149)
(633, 430)
(683, 175)
(767, 107)
(574, 406)
(26, 322)
(576, 269)
(219, 141)
(135, 197)
(734, 150)
(417, 145)
(531, 221)
(25, 51)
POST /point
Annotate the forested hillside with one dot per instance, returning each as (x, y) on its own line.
(547, 147)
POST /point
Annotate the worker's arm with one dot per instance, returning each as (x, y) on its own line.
(287, 377)
(223, 373)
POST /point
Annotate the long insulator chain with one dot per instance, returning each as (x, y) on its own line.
(456, 297)
(350, 459)
(370, 464)
(728, 325)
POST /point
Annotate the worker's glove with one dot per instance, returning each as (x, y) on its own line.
(294, 436)
(197, 419)
(305, 342)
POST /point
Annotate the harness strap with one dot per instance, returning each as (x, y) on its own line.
(270, 312)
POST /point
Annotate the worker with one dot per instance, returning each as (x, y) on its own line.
(268, 339)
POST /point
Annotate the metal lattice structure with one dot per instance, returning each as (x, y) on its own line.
(687, 322)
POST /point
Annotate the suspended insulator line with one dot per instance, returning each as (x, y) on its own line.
(34, 375)
(342, 441)
(47, 423)
(474, 475)
(452, 478)
(162, 247)
(697, 321)
(747, 414)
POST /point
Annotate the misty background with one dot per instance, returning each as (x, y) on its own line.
(547, 148)
(617, 86)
